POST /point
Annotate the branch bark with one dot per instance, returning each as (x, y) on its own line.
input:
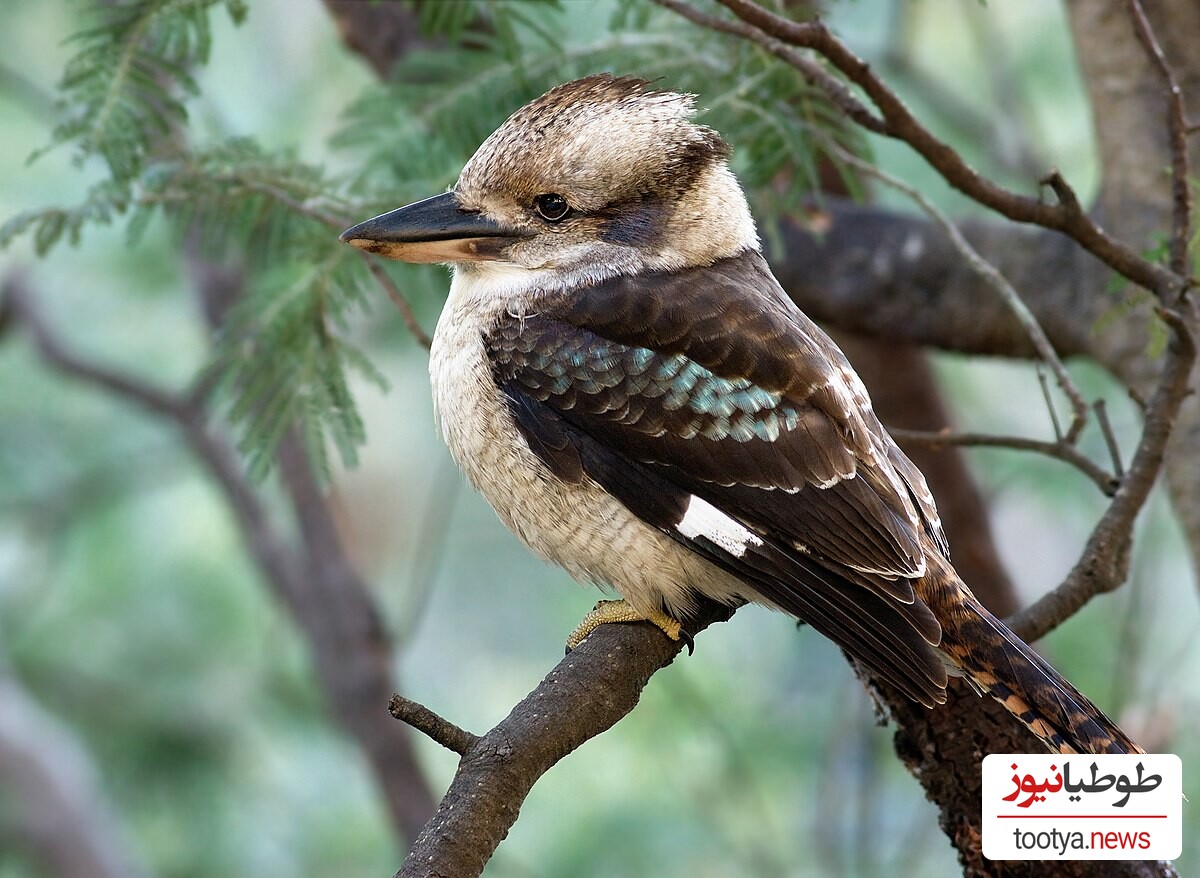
(1065, 216)
(589, 691)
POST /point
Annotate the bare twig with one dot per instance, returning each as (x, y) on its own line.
(401, 303)
(814, 73)
(303, 208)
(1063, 191)
(337, 222)
(770, 30)
(1049, 400)
(1014, 151)
(431, 725)
(992, 277)
(1060, 450)
(1104, 562)
(1110, 438)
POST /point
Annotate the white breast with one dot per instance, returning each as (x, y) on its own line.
(578, 526)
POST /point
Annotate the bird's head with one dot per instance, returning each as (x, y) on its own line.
(597, 177)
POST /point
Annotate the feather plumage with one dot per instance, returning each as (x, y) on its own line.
(669, 391)
(635, 395)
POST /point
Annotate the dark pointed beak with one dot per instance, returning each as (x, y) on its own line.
(437, 229)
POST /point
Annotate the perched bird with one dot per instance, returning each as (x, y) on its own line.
(619, 374)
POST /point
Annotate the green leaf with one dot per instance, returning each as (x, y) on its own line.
(120, 91)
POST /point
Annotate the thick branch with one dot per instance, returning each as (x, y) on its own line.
(1066, 216)
(890, 262)
(589, 691)
(942, 749)
(1073, 308)
(873, 271)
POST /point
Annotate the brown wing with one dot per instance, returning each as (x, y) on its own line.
(714, 374)
(708, 385)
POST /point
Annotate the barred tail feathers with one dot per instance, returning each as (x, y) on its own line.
(1004, 666)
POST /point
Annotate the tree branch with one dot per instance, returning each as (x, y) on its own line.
(1059, 450)
(330, 604)
(1068, 322)
(876, 272)
(769, 30)
(1104, 563)
(816, 75)
(406, 312)
(589, 691)
(881, 274)
(325, 599)
(992, 278)
(431, 725)
(1181, 191)
(1100, 568)
(17, 304)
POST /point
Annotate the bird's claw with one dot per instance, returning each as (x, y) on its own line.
(606, 612)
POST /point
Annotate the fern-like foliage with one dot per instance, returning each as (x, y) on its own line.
(423, 125)
(285, 353)
(492, 25)
(283, 356)
(284, 359)
(105, 202)
(121, 89)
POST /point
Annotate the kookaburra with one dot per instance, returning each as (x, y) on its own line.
(619, 374)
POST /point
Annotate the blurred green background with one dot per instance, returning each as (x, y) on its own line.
(129, 610)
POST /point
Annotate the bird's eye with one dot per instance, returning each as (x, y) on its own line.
(551, 207)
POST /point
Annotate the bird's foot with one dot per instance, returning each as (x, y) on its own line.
(619, 611)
